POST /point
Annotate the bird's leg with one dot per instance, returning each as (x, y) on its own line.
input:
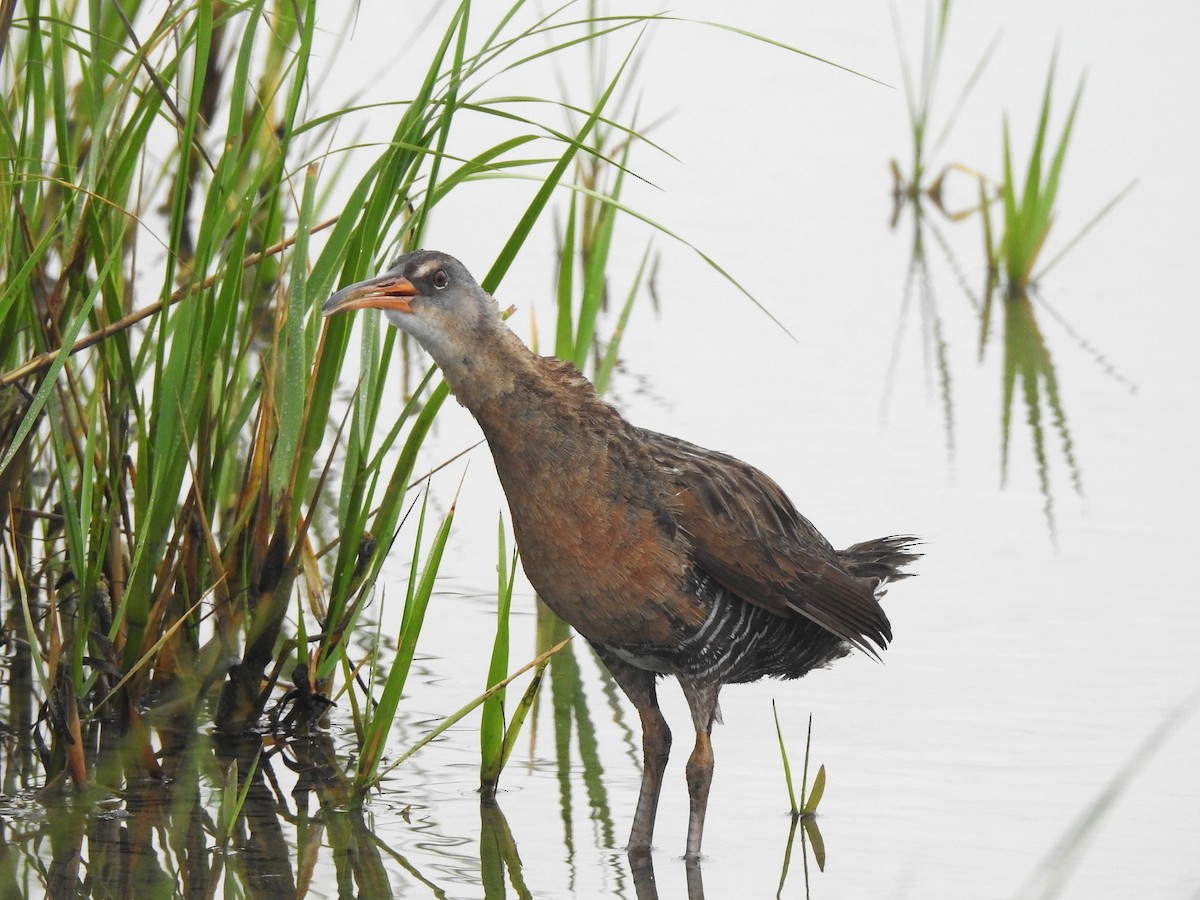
(656, 748)
(638, 684)
(702, 700)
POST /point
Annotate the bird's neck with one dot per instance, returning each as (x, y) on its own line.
(492, 369)
(534, 410)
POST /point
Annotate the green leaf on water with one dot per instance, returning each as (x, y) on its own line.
(814, 796)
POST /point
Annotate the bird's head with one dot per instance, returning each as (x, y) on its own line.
(431, 296)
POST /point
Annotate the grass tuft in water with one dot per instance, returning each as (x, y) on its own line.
(173, 525)
(497, 737)
(808, 800)
(803, 814)
(1029, 208)
(377, 724)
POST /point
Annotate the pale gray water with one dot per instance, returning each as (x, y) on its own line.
(1024, 677)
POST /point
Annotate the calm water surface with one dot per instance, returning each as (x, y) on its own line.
(1034, 727)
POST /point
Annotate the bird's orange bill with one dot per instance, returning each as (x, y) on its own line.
(384, 292)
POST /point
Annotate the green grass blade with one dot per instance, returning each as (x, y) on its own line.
(538, 662)
(814, 796)
(1082, 233)
(524, 707)
(414, 616)
(492, 725)
(43, 392)
(564, 336)
(787, 768)
(608, 362)
(293, 360)
(517, 239)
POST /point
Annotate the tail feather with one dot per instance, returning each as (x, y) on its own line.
(881, 560)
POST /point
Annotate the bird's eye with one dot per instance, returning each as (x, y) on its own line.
(440, 279)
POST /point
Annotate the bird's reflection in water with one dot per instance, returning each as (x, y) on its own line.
(642, 867)
(646, 886)
(695, 880)
(500, 862)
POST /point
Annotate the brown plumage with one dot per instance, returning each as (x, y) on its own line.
(668, 558)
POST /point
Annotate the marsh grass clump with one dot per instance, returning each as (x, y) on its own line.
(1028, 202)
(498, 732)
(174, 532)
(804, 813)
(1015, 249)
(1017, 213)
(1027, 198)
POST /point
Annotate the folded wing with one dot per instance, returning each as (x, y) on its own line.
(748, 535)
